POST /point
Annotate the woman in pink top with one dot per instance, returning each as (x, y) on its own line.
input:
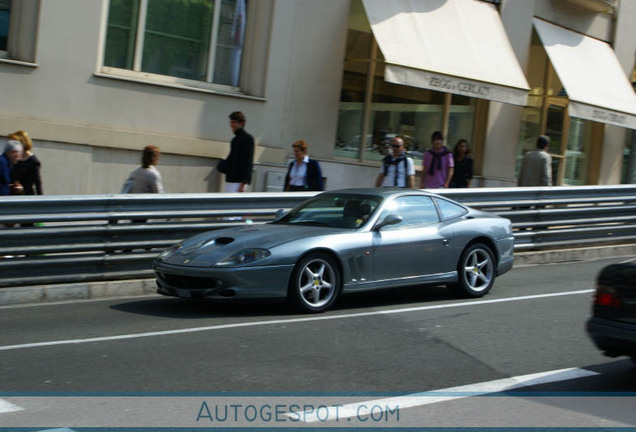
(437, 164)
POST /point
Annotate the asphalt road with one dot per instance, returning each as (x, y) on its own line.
(389, 346)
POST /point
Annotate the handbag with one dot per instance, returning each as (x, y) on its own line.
(222, 166)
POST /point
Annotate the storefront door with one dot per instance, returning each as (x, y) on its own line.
(571, 144)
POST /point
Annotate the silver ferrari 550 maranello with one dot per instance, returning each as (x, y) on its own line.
(343, 241)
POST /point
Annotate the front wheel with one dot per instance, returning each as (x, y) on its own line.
(475, 271)
(315, 283)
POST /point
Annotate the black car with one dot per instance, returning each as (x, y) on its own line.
(613, 323)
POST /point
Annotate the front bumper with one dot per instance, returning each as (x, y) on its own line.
(612, 337)
(254, 282)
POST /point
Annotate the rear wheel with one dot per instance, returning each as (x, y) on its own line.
(315, 283)
(475, 271)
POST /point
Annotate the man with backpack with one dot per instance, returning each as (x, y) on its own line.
(397, 170)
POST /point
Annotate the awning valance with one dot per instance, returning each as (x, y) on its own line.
(454, 46)
(591, 75)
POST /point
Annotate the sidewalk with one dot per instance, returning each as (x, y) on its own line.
(140, 287)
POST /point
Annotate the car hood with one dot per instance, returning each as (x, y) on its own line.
(206, 249)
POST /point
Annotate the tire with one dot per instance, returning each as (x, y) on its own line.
(315, 283)
(475, 272)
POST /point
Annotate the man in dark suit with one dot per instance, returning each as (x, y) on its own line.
(239, 163)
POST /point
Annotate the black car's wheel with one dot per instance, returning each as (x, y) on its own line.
(315, 283)
(475, 271)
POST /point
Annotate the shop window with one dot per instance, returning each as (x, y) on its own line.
(199, 40)
(411, 113)
(373, 111)
(461, 120)
(628, 174)
(18, 29)
(577, 151)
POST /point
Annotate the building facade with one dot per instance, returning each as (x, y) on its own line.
(94, 81)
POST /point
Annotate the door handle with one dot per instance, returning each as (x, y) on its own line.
(446, 242)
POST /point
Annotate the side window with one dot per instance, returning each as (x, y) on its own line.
(415, 211)
(449, 209)
(199, 40)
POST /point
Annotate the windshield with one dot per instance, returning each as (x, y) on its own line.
(335, 211)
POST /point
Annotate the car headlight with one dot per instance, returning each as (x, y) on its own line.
(244, 257)
(170, 251)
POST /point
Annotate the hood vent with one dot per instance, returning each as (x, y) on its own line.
(224, 240)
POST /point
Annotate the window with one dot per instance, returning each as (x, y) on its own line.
(200, 40)
(414, 210)
(5, 14)
(449, 210)
(18, 30)
(335, 211)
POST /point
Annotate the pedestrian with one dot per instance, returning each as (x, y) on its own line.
(12, 154)
(397, 169)
(536, 165)
(437, 164)
(146, 178)
(237, 167)
(463, 169)
(304, 173)
(27, 170)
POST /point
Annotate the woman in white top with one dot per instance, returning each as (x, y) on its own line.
(304, 173)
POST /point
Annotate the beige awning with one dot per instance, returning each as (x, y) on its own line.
(454, 46)
(591, 75)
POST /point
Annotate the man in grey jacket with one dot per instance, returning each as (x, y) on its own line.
(536, 166)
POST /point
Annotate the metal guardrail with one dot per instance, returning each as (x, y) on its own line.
(97, 237)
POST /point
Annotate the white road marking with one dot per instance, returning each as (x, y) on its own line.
(6, 407)
(461, 392)
(288, 321)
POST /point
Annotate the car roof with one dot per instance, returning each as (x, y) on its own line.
(383, 192)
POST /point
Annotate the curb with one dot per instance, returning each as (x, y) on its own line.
(76, 291)
(577, 254)
(141, 287)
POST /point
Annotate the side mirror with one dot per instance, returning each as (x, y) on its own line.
(279, 214)
(391, 219)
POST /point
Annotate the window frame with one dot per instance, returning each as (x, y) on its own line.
(21, 47)
(136, 74)
(4, 53)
